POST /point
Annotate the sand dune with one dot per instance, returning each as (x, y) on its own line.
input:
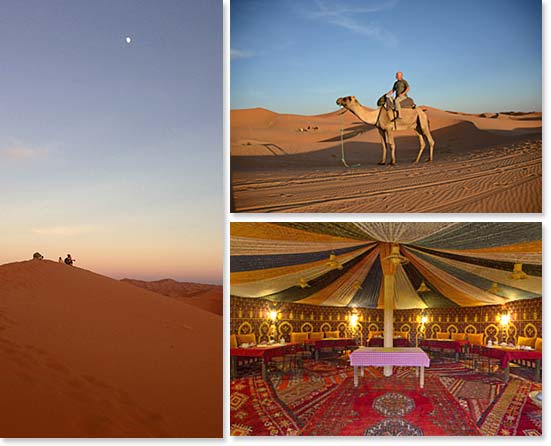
(291, 163)
(83, 355)
(206, 297)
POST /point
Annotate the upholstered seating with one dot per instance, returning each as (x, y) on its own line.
(233, 341)
(299, 337)
(458, 336)
(442, 335)
(538, 344)
(402, 334)
(475, 339)
(374, 334)
(316, 335)
(246, 339)
(526, 342)
(332, 334)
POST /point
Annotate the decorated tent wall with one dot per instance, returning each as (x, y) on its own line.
(445, 265)
(251, 316)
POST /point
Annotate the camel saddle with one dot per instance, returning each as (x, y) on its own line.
(388, 103)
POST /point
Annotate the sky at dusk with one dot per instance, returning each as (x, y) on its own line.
(113, 151)
(469, 55)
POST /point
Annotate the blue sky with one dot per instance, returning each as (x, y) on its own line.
(298, 56)
(108, 150)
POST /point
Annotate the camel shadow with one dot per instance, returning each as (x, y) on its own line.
(455, 140)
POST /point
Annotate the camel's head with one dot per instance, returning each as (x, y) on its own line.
(347, 101)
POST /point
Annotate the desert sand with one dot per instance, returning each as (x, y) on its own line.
(490, 162)
(204, 296)
(83, 355)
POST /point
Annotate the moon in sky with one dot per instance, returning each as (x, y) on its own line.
(128, 39)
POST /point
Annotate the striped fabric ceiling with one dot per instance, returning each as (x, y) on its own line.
(339, 264)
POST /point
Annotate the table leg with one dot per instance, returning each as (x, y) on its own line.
(422, 377)
(233, 370)
(317, 354)
(355, 376)
(507, 373)
(362, 371)
(416, 372)
(456, 356)
(537, 372)
(264, 371)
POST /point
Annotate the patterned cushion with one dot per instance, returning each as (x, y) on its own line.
(442, 335)
(233, 341)
(528, 342)
(374, 334)
(299, 337)
(246, 338)
(316, 335)
(476, 339)
(332, 334)
(538, 344)
(458, 336)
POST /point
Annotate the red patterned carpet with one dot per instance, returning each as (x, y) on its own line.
(321, 399)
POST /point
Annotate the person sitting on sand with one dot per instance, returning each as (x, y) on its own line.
(60, 260)
(69, 260)
(401, 88)
(38, 256)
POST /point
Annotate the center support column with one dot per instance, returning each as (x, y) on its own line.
(389, 269)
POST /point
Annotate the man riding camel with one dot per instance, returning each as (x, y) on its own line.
(401, 88)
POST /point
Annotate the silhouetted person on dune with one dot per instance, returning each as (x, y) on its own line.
(60, 260)
(69, 260)
(37, 256)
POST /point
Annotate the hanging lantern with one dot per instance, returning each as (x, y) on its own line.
(494, 289)
(518, 273)
(303, 283)
(333, 262)
(423, 288)
(395, 257)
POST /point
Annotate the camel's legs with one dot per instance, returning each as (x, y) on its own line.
(383, 147)
(392, 145)
(421, 145)
(431, 143)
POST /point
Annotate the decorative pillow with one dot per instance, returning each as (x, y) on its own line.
(475, 339)
(538, 344)
(246, 339)
(316, 335)
(332, 334)
(374, 334)
(233, 341)
(299, 337)
(458, 336)
(528, 342)
(442, 335)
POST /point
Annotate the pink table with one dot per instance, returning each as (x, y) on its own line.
(387, 356)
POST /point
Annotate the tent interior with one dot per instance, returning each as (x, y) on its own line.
(326, 316)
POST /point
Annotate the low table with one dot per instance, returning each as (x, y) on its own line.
(446, 344)
(264, 352)
(397, 342)
(318, 344)
(389, 356)
(508, 354)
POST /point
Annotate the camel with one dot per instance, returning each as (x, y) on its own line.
(410, 119)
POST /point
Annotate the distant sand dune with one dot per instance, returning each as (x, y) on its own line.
(482, 164)
(206, 297)
(82, 355)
